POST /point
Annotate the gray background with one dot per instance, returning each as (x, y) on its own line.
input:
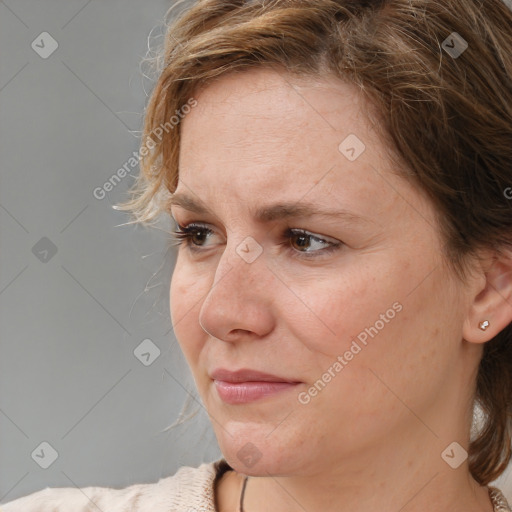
(70, 321)
(78, 291)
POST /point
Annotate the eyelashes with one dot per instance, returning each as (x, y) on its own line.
(186, 235)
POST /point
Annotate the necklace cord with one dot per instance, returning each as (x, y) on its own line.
(242, 494)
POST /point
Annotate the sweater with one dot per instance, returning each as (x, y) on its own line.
(190, 489)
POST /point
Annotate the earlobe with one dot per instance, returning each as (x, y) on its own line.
(491, 308)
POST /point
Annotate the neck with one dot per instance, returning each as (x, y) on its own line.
(400, 476)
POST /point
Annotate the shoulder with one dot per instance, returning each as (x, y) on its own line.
(190, 488)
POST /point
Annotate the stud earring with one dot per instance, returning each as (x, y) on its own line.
(483, 325)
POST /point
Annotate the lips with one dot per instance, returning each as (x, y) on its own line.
(246, 385)
(247, 375)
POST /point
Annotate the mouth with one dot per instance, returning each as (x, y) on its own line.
(246, 385)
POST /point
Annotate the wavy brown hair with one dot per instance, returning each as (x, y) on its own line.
(447, 119)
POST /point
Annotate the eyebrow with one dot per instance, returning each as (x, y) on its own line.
(270, 213)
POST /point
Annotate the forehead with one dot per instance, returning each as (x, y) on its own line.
(267, 135)
(265, 103)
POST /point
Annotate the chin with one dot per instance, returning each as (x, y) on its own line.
(252, 451)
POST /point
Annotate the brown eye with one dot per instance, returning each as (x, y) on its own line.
(192, 235)
(305, 240)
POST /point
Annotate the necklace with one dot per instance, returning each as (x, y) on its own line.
(241, 494)
(498, 501)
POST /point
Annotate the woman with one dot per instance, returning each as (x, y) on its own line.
(340, 180)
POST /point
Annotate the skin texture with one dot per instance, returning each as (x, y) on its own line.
(372, 438)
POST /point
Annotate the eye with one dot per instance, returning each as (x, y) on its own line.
(186, 235)
(193, 235)
(305, 239)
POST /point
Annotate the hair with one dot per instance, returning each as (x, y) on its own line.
(447, 118)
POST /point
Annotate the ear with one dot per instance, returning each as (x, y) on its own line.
(491, 300)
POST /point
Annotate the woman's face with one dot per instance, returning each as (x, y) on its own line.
(359, 311)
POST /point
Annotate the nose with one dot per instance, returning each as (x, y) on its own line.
(240, 301)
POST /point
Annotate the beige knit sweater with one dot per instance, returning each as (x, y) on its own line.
(188, 490)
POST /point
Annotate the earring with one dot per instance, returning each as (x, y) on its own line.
(483, 325)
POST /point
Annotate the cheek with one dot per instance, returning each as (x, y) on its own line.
(184, 297)
(330, 311)
(378, 318)
(398, 346)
